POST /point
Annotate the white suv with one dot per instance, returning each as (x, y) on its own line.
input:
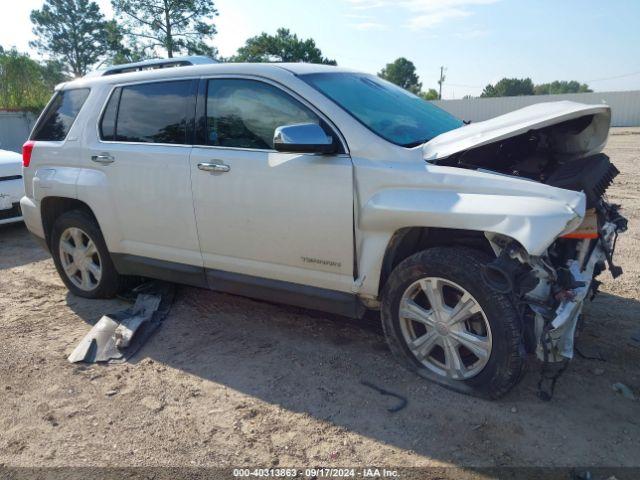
(334, 190)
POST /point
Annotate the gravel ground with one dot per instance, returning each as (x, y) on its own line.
(229, 381)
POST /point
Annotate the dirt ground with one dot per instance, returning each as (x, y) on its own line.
(229, 381)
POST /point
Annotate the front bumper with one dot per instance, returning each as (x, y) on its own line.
(557, 336)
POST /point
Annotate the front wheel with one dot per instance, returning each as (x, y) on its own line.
(444, 323)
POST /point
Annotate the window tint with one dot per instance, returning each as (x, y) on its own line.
(108, 122)
(245, 113)
(58, 118)
(152, 113)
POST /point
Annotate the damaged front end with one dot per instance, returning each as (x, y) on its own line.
(550, 289)
(559, 145)
(552, 150)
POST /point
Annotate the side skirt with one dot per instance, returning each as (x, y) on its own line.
(159, 269)
(276, 291)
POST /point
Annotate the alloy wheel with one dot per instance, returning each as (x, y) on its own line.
(80, 259)
(445, 328)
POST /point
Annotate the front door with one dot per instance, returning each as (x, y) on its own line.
(262, 213)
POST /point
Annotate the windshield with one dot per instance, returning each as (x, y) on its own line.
(384, 108)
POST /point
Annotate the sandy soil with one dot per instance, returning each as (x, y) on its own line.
(229, 381)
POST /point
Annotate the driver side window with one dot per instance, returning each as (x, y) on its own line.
(245, 113)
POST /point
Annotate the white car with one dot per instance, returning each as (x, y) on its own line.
(11, 187)
(334, 190)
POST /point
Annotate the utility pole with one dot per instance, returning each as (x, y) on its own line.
(441, 81)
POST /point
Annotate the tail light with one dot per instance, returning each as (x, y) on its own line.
(27, 148)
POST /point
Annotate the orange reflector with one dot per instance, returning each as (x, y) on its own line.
(580, 235)
(588, 229)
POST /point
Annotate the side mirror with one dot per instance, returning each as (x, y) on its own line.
(303, 138)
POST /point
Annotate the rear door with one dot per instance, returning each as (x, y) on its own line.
(279, 216)
(145, 138)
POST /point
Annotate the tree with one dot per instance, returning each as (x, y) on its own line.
(121, 49)
(72, 31)
(24, 83)
(402, 72)
(281, 47)
(174, 25)
(561, 86)
(53, 73)
(431, 94)
(509, 87)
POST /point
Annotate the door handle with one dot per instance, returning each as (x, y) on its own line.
(104, 159)
(214, 167)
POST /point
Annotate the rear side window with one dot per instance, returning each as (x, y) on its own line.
(60, 115)
(149, 113)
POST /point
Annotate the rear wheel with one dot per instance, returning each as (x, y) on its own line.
(81, 256)
(443, 322)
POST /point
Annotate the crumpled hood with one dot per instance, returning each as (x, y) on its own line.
(541, 115)
(10, 164)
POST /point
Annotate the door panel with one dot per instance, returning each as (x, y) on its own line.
(275, 215)
(150, 192)
(144, 157)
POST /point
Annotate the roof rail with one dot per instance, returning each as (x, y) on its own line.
(153, 64)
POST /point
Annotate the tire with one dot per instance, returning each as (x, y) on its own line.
(65, 231)
(493, 364)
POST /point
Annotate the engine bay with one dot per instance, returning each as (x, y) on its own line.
(543, 155)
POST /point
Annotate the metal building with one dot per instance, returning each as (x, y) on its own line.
(625, 106)
(15, 128)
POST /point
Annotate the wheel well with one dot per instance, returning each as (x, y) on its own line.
(52, 207)
(407, 241)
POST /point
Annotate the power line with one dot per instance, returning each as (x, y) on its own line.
(614, 78)
(464, 86)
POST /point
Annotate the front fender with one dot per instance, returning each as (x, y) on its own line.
(533, 221)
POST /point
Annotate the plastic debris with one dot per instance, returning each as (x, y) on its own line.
(625, 391)
(118, 336)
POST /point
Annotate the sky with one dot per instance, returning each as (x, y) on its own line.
(477, 41)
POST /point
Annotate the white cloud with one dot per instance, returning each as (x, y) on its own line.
(431, 19)
(434, 5)
(471, 34)
(421, 14)
(369, 4)
(369, 26)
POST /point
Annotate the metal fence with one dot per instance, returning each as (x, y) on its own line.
(625, 106)
(14, 129)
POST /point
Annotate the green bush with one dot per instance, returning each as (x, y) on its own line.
(24, 83)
